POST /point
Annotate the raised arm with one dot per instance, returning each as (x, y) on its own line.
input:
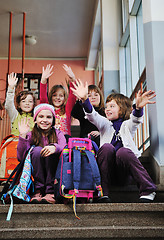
(9, 102)
(69, 72)
(71, 97)
(46, 73)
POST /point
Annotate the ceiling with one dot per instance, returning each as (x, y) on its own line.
(63, 28)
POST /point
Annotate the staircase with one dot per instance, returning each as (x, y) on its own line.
(97, 221)
(124, 218)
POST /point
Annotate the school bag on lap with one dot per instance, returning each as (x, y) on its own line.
(77, 174)
(8, 156)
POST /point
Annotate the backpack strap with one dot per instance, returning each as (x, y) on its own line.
(16, 170)
(95, 171)
(94, 167)
(76, 168)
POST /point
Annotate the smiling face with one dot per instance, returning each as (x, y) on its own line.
(44, 119)
(94, 98)
(27, 104)
(58, 98)
(112, 110)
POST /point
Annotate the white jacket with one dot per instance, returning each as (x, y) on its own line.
(106, 129)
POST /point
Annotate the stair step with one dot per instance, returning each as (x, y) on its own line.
(108, 232)
(100, 215)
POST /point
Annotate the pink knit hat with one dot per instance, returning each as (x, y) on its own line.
(43, 106)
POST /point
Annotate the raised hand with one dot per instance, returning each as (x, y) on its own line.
(12, 80)
(142, 99)
(69, 72)
(46, 73)
(80, 90)
(24, 127)
(47, 150)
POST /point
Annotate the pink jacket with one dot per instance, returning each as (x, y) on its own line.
(64, 121)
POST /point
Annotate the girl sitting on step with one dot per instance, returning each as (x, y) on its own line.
(48, 143)
(118, 156)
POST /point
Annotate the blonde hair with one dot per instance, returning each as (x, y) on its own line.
(124, 103)
(52, 91)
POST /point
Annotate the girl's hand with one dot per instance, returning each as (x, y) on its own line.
(47, 150)
(69, 72)
(12, 80)
(142, 99)
(24, 127)
(94, 133)
(46, 73)
(79, 90)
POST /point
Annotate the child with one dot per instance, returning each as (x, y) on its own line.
(25, 105)
(48, 143)
(86, 127)
(58, 98)
(118, 156)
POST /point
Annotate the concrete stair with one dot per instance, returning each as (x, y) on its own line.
(124, 218)
(97, 221)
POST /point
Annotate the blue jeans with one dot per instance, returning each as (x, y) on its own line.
(117, 167)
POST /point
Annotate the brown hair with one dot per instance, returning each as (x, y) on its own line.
(37, 135)
(123, 102)
(21, 96)
(52, 91)
(97, 90)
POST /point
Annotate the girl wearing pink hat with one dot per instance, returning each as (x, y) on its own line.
(48, 143)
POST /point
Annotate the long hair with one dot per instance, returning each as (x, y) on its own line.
(37, 135)
(97, 90)
(52, 91)
(21, 96)
(124, 103)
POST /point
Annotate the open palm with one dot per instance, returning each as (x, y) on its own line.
(24, 127)
(46, 73)
(12, 80)
(142, 99)
(80, 90)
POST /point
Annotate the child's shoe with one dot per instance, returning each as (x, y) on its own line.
(147, 198)
(37, 197)
(48, 198)
(104, 199)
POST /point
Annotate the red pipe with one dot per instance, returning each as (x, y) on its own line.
(10, 38)
(23, 44)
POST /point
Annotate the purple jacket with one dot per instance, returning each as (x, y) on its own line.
(25, 144)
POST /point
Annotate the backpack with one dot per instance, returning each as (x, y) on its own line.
(77, 174)
(21, 187)
(8, 156)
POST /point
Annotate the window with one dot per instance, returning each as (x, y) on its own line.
(125, 13)
(140, 40)
(128, 69)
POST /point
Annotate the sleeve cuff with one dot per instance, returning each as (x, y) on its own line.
(137, 112)
(87, 106)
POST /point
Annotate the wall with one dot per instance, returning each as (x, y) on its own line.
(153, 20)
(35, 66)
(111, 34)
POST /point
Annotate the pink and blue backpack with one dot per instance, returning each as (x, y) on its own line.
(77, 175)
